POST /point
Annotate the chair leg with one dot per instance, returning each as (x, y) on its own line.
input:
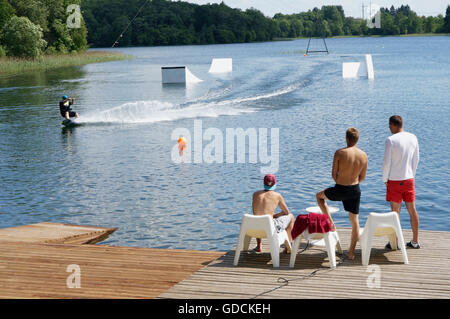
(401, 242)
(247, 240)
(339, 248)
(366, 247)
(338, 243)
(275, 251)
(331, 249)
(237, 254)
(239, 247)
(295, 246)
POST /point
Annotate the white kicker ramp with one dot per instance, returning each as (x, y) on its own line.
(369, 66)
(358, 69)
(221, 65)
(178, 74)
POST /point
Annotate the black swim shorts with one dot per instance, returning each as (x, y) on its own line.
(72, 114)
(349, 195)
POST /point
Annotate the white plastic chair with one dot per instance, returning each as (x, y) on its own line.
(380, 225)
(329, 240)
(261, 227)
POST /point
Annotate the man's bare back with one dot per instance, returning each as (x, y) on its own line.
(349, 166)
(266, 202)
(349, 170)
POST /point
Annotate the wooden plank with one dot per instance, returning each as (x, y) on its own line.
(56, 233)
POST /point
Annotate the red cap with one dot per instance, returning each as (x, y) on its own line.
(270, 180)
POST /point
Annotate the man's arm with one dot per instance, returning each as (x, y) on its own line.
(283, 207)
(363, 173)
(335, 169)
(253, 203)
(415, 159)
(386, 160)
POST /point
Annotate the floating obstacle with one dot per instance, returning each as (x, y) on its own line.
(178, 74)
(221, 65)
(358, 69)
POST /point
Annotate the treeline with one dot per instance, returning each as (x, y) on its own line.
(29, 28)
(164, 22)
(331, 21)
(34, 27)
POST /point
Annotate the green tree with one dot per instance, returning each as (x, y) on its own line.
(23, 38)
(429, 25)
(415, 24)
(64, 42)
(447, 20)
(334, 18)
(34, 10)
(284, 28)
(388, 25)
(6, 12)
(297, 28)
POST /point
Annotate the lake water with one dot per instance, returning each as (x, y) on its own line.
(117, 170)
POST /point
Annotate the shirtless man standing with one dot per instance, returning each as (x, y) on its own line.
(266, 201)
(349, 170)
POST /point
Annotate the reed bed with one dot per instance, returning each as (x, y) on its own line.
(12, 65)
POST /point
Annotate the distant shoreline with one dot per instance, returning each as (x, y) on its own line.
(370, 36)
(285, 39)
(10, 66)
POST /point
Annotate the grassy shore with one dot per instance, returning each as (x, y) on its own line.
(13, 66)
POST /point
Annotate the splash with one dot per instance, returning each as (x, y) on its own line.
(158, 111)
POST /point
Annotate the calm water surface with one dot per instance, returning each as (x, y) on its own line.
(116, 170)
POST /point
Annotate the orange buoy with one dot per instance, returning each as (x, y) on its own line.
(181, 145)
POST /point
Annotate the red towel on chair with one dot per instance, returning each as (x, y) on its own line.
(316, 223)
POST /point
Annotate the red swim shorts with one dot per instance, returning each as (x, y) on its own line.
(401, 190)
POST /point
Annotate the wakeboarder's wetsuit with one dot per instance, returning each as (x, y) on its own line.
(64, 106)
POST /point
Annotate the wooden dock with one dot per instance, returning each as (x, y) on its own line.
(426, 276)
(34, 260)
(33, 270)
(34, 265)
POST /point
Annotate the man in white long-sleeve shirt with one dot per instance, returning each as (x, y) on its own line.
(401, 157)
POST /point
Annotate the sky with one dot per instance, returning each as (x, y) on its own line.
(352, 8)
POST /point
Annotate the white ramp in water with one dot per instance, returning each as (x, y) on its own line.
(221, 65)
(369, 66)
(191, 78)
(358, 69)
(178, 74)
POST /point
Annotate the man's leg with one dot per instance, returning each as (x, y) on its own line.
(76, 115)
(290, 227)
(354, 220)
(321, 201)
(414, 220)
(258, 247)
(396, 207)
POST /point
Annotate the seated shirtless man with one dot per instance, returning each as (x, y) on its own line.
(349, 169)
(265, 202)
